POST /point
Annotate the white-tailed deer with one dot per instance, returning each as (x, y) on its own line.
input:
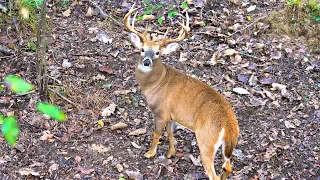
(174, 96)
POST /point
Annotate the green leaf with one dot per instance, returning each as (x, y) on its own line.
(139, 18)
(31, 45)
(17, 84)
(172, 13)
(122, 178)
(10, 130)
(108, 86)
(52, 111)
(149, 10)
(160, 20)
(158, 7)
(2, 87)
(1, 118)
(185, 4)
(318, 19)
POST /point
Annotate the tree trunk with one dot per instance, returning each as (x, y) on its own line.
(42, 73)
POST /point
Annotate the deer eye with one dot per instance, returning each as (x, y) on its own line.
(157, 53)
(142, 50)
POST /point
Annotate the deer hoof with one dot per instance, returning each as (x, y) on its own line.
(149, 154)
(171, 153)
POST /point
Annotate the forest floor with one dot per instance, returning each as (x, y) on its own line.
(91, 63)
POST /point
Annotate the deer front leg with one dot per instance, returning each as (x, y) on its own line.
(159, 127)
(170, 129)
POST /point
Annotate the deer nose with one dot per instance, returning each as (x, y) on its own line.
(147, 62)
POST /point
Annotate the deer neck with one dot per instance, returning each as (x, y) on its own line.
(149, 78)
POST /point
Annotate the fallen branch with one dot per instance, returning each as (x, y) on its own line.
(64, 98)
(103, 13)
(248, 25)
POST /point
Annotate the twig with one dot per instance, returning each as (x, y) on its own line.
(103, 13)
(26, 93)
(248, 25)
(64, 98)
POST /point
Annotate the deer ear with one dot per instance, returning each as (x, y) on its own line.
(170, 48)
(135, 40)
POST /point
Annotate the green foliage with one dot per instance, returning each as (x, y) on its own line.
(52, 111)
(31, 45)
(308, 7)
(160, 20)
(185, 4)
(158, 7)
(172, 13)
(31, 4)
(10, 130)
(17, 84)
(1, 118)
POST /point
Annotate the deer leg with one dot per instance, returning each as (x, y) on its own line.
(207, 153)
(170, 129)
(159, 127)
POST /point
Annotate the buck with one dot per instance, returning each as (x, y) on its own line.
(175, 97)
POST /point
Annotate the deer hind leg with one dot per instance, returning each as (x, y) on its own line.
(228, 147)
(159, 127)
(170, 129)
(208, 146)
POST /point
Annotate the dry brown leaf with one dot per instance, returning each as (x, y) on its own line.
(119, 126)
(99, 148)
(28, 171)
(240, 91)
(90, 12)
(138, 132)
(148, 17)
(66, 13)
(229, 52)
(109, 110)
(46, 135)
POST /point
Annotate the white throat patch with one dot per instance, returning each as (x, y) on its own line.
(144, 69)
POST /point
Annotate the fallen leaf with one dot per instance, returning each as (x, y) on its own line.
(46, 135)
(28, 171)
(195, 161)
(109, 110)
(251, 8)
(136, 175)
(240, 91)
(138, 132)
(229, 52)
(148, 17)
(53, 167)
(105, 69)
(99, 148)
(183, 56)
(85, 170)
(66, 13)
(119, 126)
(100, 123)
(235, 27)
(289, 125)
(119, 167)
(90, 12)
(135, 145)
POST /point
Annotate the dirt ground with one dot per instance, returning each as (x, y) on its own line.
(277, 106)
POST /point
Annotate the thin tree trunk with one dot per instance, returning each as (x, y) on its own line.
(42, 73)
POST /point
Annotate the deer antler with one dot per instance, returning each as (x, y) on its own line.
(126, 22)
(182, 35)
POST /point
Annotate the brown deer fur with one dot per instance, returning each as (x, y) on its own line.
(174, 96)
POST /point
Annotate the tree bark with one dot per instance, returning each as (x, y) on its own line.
(42, 73)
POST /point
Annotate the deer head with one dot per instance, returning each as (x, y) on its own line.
(151, 50)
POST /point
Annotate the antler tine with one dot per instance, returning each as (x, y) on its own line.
(126, 22)
(184, 33)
